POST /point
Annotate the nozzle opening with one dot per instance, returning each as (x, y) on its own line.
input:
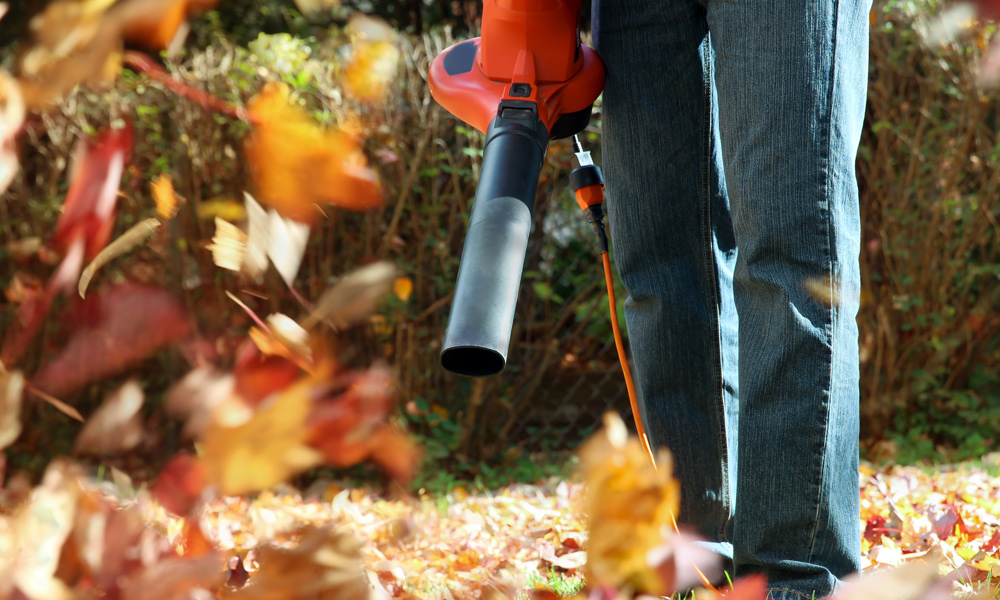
(472, 361)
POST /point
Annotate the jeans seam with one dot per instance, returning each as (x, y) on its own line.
(827, 145)
(714, 284)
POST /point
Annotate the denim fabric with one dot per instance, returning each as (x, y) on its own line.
(730, 131)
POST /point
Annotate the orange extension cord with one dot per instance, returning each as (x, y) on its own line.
(624, 360)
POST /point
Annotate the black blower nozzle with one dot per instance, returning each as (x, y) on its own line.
(489, 275)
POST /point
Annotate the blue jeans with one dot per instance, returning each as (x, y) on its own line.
(730, 131)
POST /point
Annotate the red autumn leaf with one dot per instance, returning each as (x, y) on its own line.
(89, 209)
(179, 485)
(350, 426)
(258, 376)
(120, 327)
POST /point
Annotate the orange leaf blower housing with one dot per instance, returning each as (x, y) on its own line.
(526, 81)
(530, 51)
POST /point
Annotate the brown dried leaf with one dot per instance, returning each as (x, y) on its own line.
(176, 578)
(116, 426)
(325, 564)
(194, 397)
(11, 394)
(135, 236)
(353, 297)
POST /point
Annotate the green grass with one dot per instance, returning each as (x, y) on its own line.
(561, 583)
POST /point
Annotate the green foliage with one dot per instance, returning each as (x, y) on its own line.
(930, 260)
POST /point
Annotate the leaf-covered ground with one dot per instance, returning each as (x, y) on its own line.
(436, 547)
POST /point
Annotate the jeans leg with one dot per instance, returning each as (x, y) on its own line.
(792, 80)
(673, 242)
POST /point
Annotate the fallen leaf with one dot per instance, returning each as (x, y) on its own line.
(296, 165)
(317, 10)
(116, 426)
(353, 297)
(120, 327)
(179, 485)
(136, 235)
(248, 455)
(11, 394)
(286, 245)
(155, 24)
(326, 563)
(59, 405)
(227, 209)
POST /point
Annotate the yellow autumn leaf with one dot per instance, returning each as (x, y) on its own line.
(403, 288)
(297, 165)
(246, 451)
(222, 208)
(632, 507)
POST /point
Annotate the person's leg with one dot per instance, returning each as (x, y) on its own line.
(673, 242)
(792, 80)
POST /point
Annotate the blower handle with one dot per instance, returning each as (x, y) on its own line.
(482, 312)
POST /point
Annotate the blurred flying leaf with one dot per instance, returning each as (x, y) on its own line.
(632, 508)
(284, 337)
(12, 111)
(11, 394)
(88, 216)
(180, 483)
(353, 297)
(122, 326)
(136, 235)
(286, 245)
(374, 58)
(164, 197)
(116, 426)
(296, 165)
(350, 426)
(156, 24)
(80, 41)
(228, 245)
(177, 578)
(246, 451)
(822, 291)
(326, 563)
(193, 398)
(402, 287)
(317, 10)
(56, 403)
(40, 528)
(71, 42)
(223, 208)
(270, 236)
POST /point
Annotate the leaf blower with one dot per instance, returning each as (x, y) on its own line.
(527, 80)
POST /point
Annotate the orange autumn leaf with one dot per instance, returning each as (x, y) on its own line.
(297, 165)
(247, 451)
(374, 59)
(179, 485)
(156, 24)
(403, 287)
(164, 197)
